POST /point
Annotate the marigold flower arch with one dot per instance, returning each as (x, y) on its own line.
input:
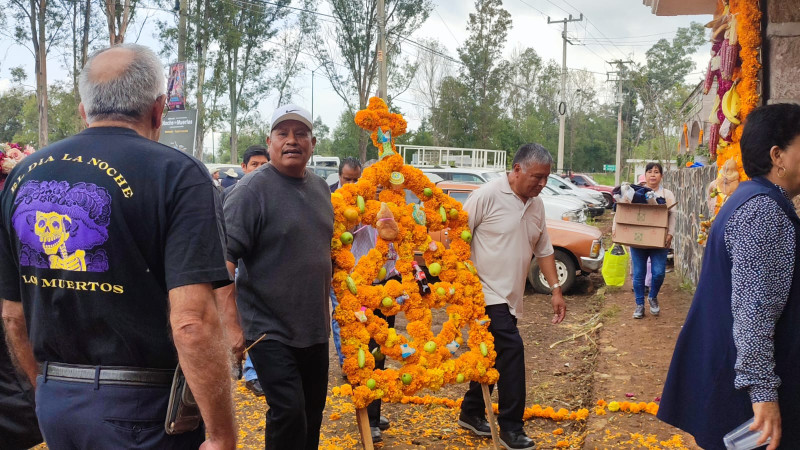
(427, 360)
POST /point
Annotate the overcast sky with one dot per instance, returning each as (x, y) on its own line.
(611, 30)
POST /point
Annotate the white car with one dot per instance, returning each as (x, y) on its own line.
(594, 200)
(464, 175)
(556, 207)
(563, 207)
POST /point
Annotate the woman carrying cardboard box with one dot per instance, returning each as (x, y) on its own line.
(652, 247)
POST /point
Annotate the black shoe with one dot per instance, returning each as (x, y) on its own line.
(516, 440)
(383, 423)
(255, 388)
(377, 436)
(477, 424)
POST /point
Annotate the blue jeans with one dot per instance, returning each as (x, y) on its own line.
(337, 340)
(658, 265)
(249, 371)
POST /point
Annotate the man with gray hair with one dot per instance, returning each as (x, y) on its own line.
(109, 250)
(508, 226)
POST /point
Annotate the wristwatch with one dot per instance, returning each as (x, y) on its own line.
(555, 286)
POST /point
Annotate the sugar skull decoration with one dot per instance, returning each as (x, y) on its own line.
(53, 232)
(62, 226)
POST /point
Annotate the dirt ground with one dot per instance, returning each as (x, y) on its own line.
(619, 359)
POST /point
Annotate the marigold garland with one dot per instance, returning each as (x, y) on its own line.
(748, 28)
(535, 411)
(458, 288)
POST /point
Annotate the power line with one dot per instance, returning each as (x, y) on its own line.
(603, 34)
(565, 11)
(533, 7)
(447, 27)
(641, 36)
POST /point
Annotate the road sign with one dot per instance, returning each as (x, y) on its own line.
(609, 167)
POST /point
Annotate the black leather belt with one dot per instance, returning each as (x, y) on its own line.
(123, 376)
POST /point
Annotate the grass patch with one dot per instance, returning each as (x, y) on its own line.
(687, 286)
(606, 179)
(610, 312)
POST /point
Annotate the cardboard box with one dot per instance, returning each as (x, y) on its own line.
(641, 225)
(642, 214)
(640, 236)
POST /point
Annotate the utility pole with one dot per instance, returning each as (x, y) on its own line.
(382, 77)
(562, 106)
(618, 160)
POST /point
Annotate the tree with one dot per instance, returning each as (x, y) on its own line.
(660, 89)
(255, 133)
(434, 67)
(580, 100)
(522, 74)
(488, 27)
(452, 117)
(63, 122)
(291, 43)
(12, 102)
(354, 36)
(243, 58)
(45, 30)
(119, 14)
(197, 38)
(343, 141)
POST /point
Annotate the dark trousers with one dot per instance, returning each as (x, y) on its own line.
(83, 416)
(374, 408)
(295, 383)
(510, 363)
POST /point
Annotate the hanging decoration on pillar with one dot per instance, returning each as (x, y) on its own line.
(735, 66)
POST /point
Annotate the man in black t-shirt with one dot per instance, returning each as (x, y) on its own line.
(109, 250)
(279, 221)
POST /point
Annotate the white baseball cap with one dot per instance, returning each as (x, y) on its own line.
(292, 112)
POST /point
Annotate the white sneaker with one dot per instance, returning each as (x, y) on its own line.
(654, 309)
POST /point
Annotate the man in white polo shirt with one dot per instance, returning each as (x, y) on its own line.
(508, 226)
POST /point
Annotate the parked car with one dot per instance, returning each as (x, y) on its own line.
(585, 181)
(556, 206)
(324, 161)
(325, 171)
(563, 206)
(594, 200)
(464, 174)
(578, 248)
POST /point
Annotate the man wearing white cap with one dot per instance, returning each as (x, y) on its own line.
(279, 224)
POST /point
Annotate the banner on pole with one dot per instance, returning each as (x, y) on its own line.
(178, 130)
(176, 95)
